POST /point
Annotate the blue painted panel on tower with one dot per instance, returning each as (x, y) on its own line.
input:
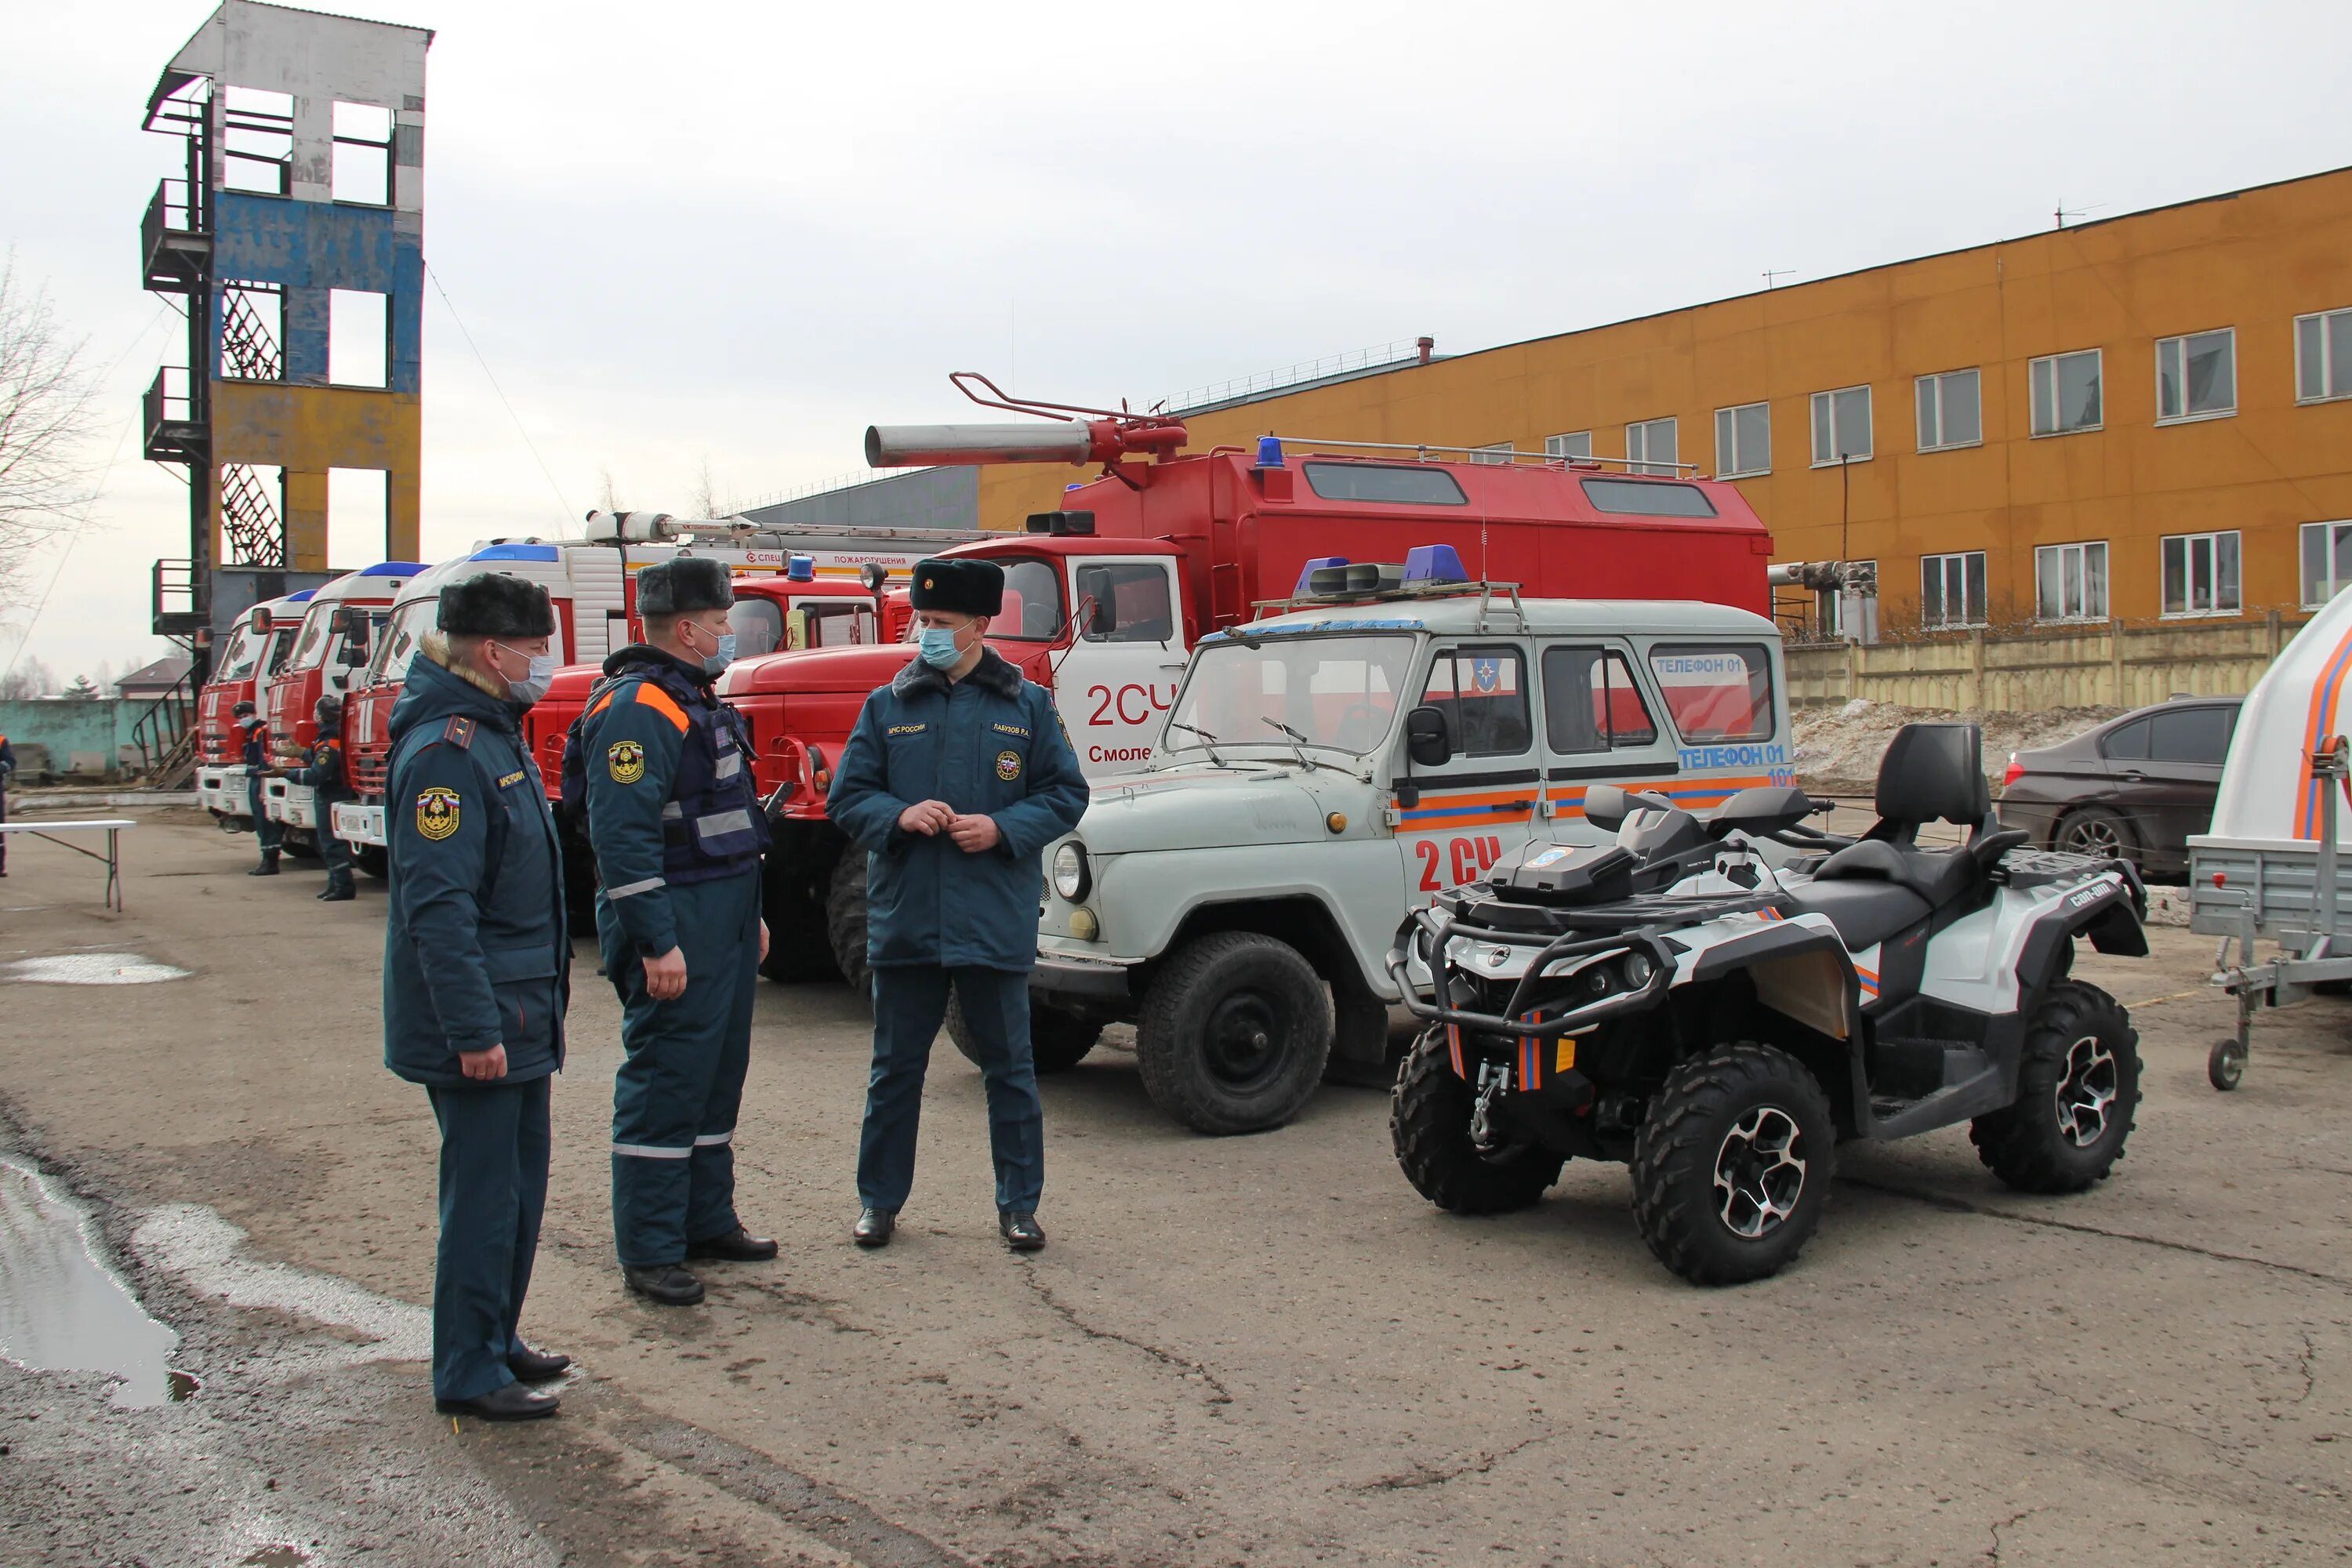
(310, 247)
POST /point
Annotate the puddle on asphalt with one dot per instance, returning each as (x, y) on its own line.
(61, 1310)
(277, 1557)
(90, 969)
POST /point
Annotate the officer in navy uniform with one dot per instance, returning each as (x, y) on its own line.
(476, 972)
(7, 772)
(955, 779)
(665, 771)
(258, 768)
(325, 774)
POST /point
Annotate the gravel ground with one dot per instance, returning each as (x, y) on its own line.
(1261, 1350)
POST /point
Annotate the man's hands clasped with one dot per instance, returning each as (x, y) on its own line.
(971, 833)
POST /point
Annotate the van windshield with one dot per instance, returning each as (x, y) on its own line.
(1339, 692)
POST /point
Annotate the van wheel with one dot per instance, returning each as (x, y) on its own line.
(1235, 1033)
(844, 922)
(799, 940)
(2077, 1089)
(1733, 1163)
(1429, 1122)
(1058, 1040)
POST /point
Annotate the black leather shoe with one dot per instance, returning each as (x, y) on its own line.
(874, 1227)
(738, 1246)
(334, 895)
(667, 1284)
(511, 1403)
(1021, 1231)
(537, 1366)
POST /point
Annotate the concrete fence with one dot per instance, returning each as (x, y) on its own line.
(62, 735)
(2100, 665)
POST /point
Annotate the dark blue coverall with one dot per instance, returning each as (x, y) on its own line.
(674, 819)
(256, 757)
(990, 743)
(476, 954)
(325, 774)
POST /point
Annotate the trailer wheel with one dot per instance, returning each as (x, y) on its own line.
(1058, 1040)
(1429, 1123)
(2227, 1065)
(844, 922)
(800, 939)
(2077, 1088)
(1732, 1165)
(1235, 1029)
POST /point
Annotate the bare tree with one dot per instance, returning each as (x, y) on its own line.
(31, 676)
(708, 502)
(606, 496)
(45, 419)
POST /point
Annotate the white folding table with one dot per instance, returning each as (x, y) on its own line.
(111, 826)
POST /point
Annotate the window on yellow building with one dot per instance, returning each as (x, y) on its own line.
(1950, 414)
(2065, 393)
(1575, 446)
(1840, 426)
(2327, 562)
(1650, 447)
(2070, 582)
(1952, 590)
(2197, 376)
(2200, 573)
(2323, 356)
(1743, 441)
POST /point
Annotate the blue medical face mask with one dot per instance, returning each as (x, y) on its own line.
(533, 686)
(718, 661)
(938, 648)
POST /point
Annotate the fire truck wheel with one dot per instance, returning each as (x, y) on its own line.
(1236, 1027)
(845, 923)
(370, 858)
(800, 946)
(298, 843)
(1058, 1041)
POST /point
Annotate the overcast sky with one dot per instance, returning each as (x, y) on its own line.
(738, 232)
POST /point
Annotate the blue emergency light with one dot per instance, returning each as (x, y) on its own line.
(1307, 574)
(801, 568)
(1269, 451)
(1434, 564)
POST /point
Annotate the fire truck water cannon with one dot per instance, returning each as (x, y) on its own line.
(1075, 435)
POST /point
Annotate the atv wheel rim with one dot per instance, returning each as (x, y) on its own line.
(1759, 1172)
(2094, 835)
(2086, 1091)
(1244, 1041)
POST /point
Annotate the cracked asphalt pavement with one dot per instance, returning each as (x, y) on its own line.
(1263, 1350)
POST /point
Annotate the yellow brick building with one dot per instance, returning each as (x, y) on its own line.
(2149, 417)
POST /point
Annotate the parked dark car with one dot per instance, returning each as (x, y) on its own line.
(2136, 787)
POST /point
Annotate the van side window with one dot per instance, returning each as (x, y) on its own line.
(1716, 691)
(1591, 703)
(1125, 602)
(1483, 692)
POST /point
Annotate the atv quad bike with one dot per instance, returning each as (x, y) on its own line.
(1678, 1002)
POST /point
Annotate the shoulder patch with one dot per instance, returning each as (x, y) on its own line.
(436, 812)
(626, 760)
(907, 729)
(648, 695)
(459, 732)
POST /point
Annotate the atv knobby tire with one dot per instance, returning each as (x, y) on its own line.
(844, 922)
(1429, 1122)
(2077, 1091)
(1235, 1029)
(1719, 1119)
(1058, 1040)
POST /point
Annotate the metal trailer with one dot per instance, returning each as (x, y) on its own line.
(2289, 891)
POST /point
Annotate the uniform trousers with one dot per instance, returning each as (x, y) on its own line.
(271, 834)
(677, 1095)
(494, 1146)
(909, 1003)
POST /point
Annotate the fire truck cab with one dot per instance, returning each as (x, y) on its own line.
(250, 657)
(330, 649)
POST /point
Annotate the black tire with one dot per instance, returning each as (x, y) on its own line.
(304, 849)
(1058, 1040)
(2077, 1089)
(844, 922)
(1429, 1122)
(373, 860)
(2096, 831)
(1236, 1027)
(800, 941)
(2226, 1064)
(1714, 1192)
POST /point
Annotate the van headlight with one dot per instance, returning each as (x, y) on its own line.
(1071, 877)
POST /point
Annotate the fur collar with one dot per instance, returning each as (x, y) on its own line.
(994, 673)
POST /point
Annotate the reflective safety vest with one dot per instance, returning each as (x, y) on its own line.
(712, 824)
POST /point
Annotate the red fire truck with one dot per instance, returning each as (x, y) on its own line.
(250, 657)
(1106, 596)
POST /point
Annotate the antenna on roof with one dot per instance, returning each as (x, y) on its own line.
(2065, 212)
(1772, 272)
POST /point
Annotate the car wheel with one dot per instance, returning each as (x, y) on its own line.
(1429, 1122)
(2095, 831)
(1235, 1030)
(2077, 1088)
(1733, 1163)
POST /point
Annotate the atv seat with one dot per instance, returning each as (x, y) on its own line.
(1874, 887)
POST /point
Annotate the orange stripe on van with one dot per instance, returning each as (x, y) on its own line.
(653, 697)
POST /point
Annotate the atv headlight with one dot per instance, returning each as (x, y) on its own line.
(1638, 970)
(1070, 874)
